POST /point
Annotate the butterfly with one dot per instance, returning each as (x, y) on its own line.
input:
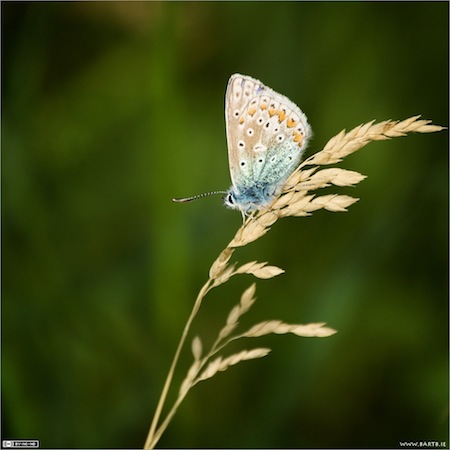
(267, 135)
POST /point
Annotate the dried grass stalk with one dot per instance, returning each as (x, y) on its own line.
(296, 199)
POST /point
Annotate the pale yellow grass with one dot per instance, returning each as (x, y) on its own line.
(294, 200)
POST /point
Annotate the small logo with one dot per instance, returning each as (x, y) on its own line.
(20, 443)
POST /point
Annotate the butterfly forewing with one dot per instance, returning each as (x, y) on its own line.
(241, 89)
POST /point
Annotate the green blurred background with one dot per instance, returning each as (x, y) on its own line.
(110, 109)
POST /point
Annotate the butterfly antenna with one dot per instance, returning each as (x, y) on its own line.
(196, 197)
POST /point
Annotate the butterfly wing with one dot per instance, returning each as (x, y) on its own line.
(266, 134)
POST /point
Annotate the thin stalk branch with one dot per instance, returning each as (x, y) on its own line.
(151, 438)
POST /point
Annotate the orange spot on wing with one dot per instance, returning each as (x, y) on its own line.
(291, 123)
(281, 115)
(272, 111)
(252, 110)
(263, 106)
(298, 138)
(241, 120)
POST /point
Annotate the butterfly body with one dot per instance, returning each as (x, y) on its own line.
(248, 197)
(267, 135)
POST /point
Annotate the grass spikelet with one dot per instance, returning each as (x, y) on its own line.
(190, 377)
(224, 275)
(227, 330)
(248, 299)
(267, 272)
(220, 364)
(234, 315)
(301, 206)
(252, 231)
(313, 330)
(268, 327)
(334, 202)
(260, 270)
(211, 370)
(297, 198)
(278, 327)
(336, 176)
(245, 355)
(297, 177)
(220, 263)
(197, 348)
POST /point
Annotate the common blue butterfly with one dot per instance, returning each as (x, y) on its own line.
(267, 135)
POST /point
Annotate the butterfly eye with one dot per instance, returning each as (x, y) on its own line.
(280, 138)
(241, 144)
(250, 131)
(236, 113)
(242, 163)
(260, 121)
(260, 160)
